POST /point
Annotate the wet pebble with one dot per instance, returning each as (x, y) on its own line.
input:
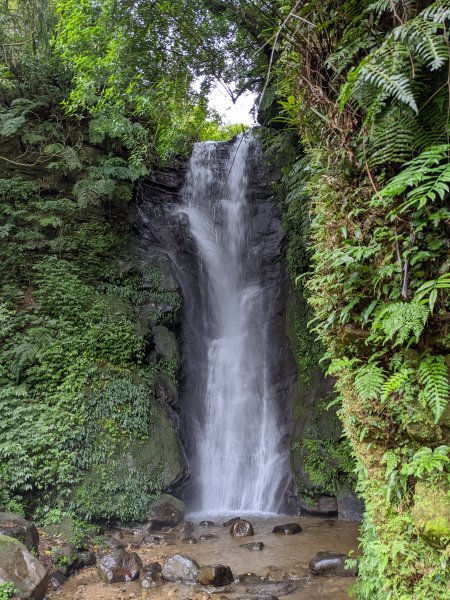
(208, 536)
(254, 546)
(287, 529)
(207, 524)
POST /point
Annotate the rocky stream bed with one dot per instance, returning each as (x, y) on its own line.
(256, 557)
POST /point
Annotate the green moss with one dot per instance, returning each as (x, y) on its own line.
(431, 514)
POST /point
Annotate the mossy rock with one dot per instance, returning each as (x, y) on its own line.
(121, 487)
(165, 342)
(19, 566)
(431, 515)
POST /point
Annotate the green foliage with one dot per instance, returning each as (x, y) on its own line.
(434, 378)
(7, 590)
(371, 107)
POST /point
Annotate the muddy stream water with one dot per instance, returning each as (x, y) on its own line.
(283, 564)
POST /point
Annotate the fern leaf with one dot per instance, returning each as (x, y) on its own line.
(433, 376)
(11, 126)
(395, 383)
(369, 382)
(402, 322)
(426, 40)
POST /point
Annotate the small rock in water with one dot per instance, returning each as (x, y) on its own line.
(331, 564)
(208, 536)
(150, 576)
(241, 528)
(231, 521)
(248, 578)
(188, 539)
(287, 529)
(185, 527)
(180, 568)
(216, 575)
(119, 566)
(255, 546)
(206, 524)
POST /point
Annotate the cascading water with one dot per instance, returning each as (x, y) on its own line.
(239, 459)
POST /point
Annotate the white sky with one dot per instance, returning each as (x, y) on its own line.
(239, 112)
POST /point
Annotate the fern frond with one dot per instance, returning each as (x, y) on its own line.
(91, 192)
(395, 383)
(426, 39)
(400, 322)
(433, 376)
(12, 125)
(369, 381)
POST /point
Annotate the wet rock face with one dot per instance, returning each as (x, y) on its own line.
(24, 570)
(119, 566)
(216, 575)
(241, 528)
(180, 568)
(167, 510)
(325, 506)
(19, 528)
(287, 529)
(331, 564)
(350, 506)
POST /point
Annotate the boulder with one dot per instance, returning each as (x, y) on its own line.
(150, 576)
(287, 529)
(350, 506)
(180, 568)
(19, 528)
(216, 575)
(167, 510)
(254, 546)
(19, 566)
(241, 528)
(119, 566)
(331, 564)
(57, 580)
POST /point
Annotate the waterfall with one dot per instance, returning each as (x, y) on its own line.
(239, 459)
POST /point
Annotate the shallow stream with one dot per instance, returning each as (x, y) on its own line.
(284, 560)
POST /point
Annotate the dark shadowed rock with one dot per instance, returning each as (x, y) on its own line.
(150, 576)
(85, 559)
(65, 558)
(114, 544)
(254, 546)
(216, 575)
(287, 529)
(24, 570)
(231, 521)
(206, 524)
(119, 566)
(57, 580)
(350, 506)
(180, 568)
(325, 506)
(241, 528)
(167, 510)
(20, 529)
(207, 536)
(331, 564)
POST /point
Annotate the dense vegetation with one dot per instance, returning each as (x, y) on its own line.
(93, 94)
